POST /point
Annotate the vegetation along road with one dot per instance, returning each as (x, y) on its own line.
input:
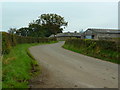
(62, 68)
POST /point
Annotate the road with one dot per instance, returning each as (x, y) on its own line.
(62, 68)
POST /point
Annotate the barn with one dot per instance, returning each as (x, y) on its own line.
(98, 34)
(67, 35)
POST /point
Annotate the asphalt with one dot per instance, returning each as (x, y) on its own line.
(62, 68)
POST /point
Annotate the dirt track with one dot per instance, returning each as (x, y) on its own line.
(66, 69)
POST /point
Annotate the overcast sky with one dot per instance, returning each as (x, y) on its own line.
(80, 15)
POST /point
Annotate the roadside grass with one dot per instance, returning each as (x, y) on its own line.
(19, 66)
(105, 55)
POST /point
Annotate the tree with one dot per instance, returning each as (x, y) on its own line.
(75, 31)
(24, 31)
(44, 26)
(53, 22)
(12, 30)
(36, 30)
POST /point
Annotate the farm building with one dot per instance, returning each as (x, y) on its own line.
(67, 35)
(100, 34)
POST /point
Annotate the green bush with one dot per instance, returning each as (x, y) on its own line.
(107, 50)
(6, 43)
(9, 40)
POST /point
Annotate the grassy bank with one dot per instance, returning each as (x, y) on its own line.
(19, 67)
(104, 50)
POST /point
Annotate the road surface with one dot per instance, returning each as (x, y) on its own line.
(62, 68)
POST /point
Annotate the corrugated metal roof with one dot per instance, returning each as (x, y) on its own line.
(104, 30)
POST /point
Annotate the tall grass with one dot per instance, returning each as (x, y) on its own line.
(18, 66)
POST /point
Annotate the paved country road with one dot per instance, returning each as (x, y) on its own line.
(62, 68)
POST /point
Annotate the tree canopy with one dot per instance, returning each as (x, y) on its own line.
(44, 26)
(12, 30)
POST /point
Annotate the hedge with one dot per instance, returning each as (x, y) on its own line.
(9, 40)
(108, 50)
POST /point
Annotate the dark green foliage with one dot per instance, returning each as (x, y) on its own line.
(23, 32)
(106, 50)
(44, 26)
(12, 30)
(10, 40)
(53, 22)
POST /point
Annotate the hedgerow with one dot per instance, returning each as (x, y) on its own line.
(106, 50)
(9, 40)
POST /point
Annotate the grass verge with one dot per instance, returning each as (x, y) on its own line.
(104, 55)
(19, 66)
